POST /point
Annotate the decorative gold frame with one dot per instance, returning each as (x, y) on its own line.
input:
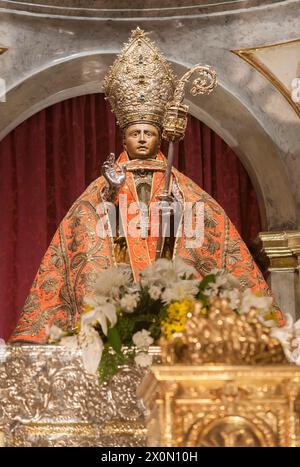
(249, 56)
(222, 405)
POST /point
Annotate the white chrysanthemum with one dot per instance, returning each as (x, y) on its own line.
(109, 282)
(159, 272)
(231, 282)
(142, 339)
(233, 297)
(180, 291)
(164, 272)
(183, 269)
(155, 292)
(133, 288)
(223, 281)
(249, 300)
(289, 337)
(143, 359)
(129, 302)
(100, 314)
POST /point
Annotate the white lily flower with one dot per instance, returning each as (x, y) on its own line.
(142, 339)
(90, 344)
(101, 314)
(231, 282)
(70, 342)
(92, 348)
(96, 301)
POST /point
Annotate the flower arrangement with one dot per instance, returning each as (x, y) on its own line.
(123, 318)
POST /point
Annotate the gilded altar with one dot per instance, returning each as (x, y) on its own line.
(224, 382)
(222, 405)
(48, 399)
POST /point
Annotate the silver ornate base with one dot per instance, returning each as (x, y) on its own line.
(47, 399)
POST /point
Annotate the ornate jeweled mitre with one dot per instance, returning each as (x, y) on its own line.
(140, 83)
(141, 87)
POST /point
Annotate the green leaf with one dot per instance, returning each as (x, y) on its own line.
(110, 362)
(114, 339)
(206, 280)
(202, 297)
(108, 365)
(125, 327)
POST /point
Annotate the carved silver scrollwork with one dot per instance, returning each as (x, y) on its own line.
(47, 399)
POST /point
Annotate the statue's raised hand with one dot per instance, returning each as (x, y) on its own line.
(115, 179)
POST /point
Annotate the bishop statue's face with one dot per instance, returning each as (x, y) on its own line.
(141, 141)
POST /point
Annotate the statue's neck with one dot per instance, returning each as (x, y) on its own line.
(138, 159)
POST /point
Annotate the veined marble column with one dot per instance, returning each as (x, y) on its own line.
(282, 250)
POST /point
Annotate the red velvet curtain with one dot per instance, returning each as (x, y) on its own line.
(47, 162)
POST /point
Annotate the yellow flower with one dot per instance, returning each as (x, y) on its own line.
(175, 320)
(259, 293)
(87, 308)
(272, 315)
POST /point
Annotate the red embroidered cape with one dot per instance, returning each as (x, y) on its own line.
(77, 254)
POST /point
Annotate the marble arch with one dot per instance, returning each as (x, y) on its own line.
(222, 111)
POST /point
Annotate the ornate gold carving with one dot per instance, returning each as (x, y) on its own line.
(222, 405)
(197, 397)
(251, 56)
(223, 337)
(175, 119)
(115, 428)
(230, 431)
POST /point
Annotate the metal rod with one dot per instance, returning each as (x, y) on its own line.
(169, 166)
(165, 193)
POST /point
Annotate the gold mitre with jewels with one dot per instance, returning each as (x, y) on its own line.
(140, 83)
(141, 87)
